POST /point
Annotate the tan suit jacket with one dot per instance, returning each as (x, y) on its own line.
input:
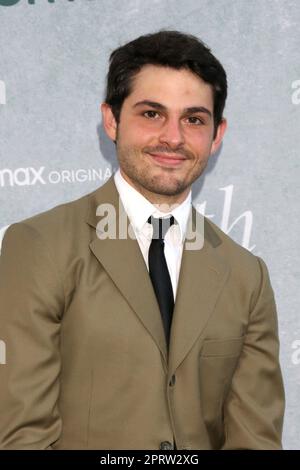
(86, 360)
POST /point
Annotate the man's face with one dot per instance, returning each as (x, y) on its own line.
(166, 131)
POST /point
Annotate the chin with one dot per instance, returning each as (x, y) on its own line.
(164, 190)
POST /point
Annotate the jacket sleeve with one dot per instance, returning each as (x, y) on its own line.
(254, 409)
(31, 304)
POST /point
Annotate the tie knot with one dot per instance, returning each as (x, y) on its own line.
(160, 226)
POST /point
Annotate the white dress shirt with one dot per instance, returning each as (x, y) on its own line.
(139, 209)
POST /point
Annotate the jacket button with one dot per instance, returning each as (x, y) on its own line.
(172, 381)
(166, 445)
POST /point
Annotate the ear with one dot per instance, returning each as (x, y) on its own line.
(219, 135)
(109, 122)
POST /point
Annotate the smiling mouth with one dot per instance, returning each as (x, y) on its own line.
(167, 160)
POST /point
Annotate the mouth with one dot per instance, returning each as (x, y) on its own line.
(167, 160)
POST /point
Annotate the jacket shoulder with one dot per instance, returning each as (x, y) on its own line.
(64, 215)
(247, 269)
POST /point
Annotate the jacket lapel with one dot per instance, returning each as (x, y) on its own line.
(124, 263)
(202, 276)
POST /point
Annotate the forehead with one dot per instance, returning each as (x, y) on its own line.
(172, 87)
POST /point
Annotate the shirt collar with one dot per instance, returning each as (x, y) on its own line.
(139, 209)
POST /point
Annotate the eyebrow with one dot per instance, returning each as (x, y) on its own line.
(161, 107)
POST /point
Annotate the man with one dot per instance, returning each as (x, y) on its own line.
(141, 342)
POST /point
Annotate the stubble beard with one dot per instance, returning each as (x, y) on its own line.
(143, 178)
(166, 184)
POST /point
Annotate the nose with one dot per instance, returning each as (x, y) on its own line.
(172, 133)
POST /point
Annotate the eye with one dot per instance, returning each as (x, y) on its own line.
(196, 120)
(150, 114)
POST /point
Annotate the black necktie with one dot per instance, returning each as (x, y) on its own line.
(159, 272)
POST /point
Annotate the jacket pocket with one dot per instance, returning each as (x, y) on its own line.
(222, 347)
